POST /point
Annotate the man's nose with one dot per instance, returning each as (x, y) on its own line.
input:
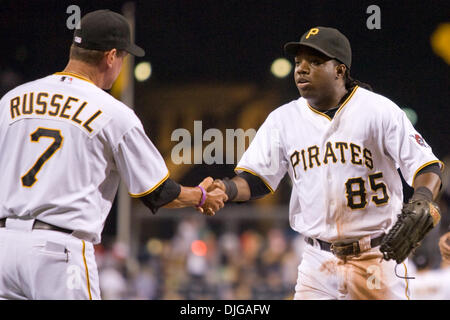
(302, 67)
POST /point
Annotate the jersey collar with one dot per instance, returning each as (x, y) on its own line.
(70, 74)
(340, 108)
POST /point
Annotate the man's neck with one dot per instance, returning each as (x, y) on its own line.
(332, 101)
(85, 70)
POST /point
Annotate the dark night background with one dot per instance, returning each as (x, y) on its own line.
(226, 41)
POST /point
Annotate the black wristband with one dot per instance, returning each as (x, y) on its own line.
(422, 193)
(230, 188)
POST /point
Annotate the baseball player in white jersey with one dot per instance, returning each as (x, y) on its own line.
(341, 145)
(65, 145)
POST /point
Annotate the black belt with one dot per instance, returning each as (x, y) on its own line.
(40, 225)
(344, 248)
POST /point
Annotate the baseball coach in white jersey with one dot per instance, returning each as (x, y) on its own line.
(341, 145)
(65, 144)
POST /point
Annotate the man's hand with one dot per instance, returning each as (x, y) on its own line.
(444, 247)
(215, 197)
(217, 184)
(237, 189)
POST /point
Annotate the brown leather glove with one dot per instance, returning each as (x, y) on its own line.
(418, 217)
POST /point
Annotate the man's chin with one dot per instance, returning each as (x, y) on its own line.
(305, 93)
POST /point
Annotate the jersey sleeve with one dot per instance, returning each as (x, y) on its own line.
(406, 146)
(139, 163)
(265, 156)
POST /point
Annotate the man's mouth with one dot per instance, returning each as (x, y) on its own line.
(302, 83)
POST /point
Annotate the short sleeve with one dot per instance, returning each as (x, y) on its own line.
(265, 155)
(405, 145)
(139, 163)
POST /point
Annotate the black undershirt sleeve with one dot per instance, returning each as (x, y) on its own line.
(168, 191)
(435, 168)
(258, 188)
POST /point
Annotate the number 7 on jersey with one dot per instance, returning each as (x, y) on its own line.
(29, 178)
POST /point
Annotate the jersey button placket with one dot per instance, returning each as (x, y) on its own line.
(330, 187)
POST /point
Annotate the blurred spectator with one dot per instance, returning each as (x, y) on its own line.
(112, 271)
(145, 284)
(428, 283)
(112, 284)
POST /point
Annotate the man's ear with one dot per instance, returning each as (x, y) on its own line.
(111, 55)
(340, 70)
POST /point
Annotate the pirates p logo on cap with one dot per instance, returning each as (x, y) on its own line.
(312, 32)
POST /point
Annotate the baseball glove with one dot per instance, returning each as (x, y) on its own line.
(418, 217)
(444, 246)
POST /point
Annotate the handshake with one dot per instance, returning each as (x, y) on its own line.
(213, 196)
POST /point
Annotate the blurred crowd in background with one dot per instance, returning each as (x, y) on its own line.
(199, 264)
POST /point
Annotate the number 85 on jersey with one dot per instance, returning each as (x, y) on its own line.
(356, 194)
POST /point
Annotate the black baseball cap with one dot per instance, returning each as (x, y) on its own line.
(329, 41)
(104, 30)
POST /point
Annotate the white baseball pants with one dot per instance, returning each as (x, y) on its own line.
(45, 265)
(366, 276)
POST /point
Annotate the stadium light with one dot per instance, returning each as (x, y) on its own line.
(154, 246)
(281, 68)
(143, 71)
(199, 248)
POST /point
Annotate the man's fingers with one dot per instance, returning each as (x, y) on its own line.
(206, 211)
(215, 200)
(206, 183)
(447, 237)
(219, 193)
(210, 185)
(219, 196)
(209, 212)
(444, 241)
(219, 184)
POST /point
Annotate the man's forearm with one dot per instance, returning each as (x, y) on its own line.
(238, 189)
(430, 181)
(243, 188)
(188, 197)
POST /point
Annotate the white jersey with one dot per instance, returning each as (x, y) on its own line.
(65, 144)
(343, 170)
